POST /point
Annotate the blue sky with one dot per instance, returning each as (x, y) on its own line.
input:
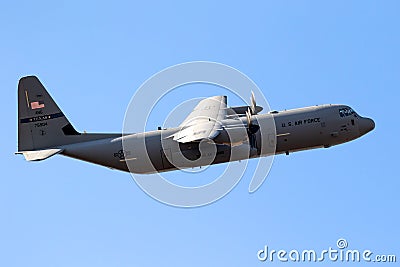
(93, 55)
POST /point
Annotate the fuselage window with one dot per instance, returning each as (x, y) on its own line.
(344, 112)
(352, 122)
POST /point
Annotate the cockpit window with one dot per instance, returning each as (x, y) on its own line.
(344, 112)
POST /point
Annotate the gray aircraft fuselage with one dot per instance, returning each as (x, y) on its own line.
(217, 134)
(296, 130)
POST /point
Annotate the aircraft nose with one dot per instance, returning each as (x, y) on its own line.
(366, 125)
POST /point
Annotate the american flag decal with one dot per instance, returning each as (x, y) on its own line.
(37, 104)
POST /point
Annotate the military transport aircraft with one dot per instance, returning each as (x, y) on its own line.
(44, 131)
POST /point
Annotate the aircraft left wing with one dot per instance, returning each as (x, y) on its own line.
(204, 121)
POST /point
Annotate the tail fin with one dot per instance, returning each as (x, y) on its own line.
(41, 124)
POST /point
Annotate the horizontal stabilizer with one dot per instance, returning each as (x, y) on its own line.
(39, 154)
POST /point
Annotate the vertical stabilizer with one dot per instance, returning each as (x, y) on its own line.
(41, 123)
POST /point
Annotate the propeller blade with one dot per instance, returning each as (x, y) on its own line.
(253, 103)
(251, 126)
(248, 116)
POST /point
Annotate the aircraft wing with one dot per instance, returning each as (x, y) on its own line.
(204, 121)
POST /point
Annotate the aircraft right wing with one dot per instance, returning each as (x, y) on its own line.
(204, 121)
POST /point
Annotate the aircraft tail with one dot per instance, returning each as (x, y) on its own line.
(41, 123)
(43, 130)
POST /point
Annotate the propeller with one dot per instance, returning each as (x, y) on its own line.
(252, 127)
(253, 104)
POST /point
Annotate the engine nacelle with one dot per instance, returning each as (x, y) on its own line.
(234, 133)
